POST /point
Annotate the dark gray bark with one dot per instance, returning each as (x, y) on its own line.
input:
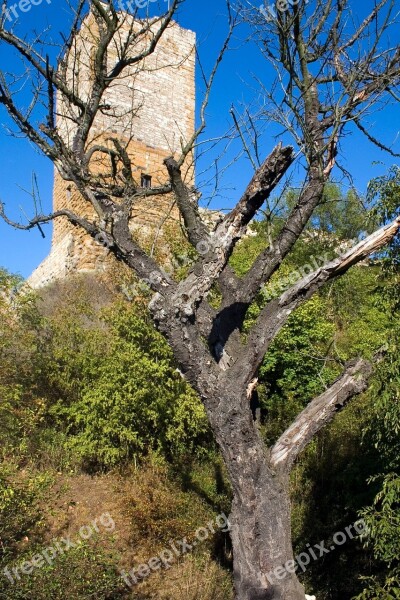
(260, 519)
(264, 566)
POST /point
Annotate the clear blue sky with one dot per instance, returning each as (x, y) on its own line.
(23, 251)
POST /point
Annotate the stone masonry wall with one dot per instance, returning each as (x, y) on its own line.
(152, 110)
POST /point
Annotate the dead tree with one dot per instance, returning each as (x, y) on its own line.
(331, 73)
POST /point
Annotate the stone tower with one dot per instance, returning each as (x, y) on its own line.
(152, 111)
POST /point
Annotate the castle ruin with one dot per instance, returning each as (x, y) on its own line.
(151, 110)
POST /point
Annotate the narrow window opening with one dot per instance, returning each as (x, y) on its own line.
(146, 181)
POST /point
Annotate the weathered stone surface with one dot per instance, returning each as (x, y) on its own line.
(161, 90)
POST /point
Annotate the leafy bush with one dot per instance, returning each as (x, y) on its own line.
(134, 401)
(383, 431)
(91, 384)
(383, 516)
(294, 370)
(20, 513)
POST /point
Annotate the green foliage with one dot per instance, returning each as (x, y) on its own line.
(20, 513)
(96, 387)
(383, 430)
(383, 516)
(383, 520)
(22, 339)
(248, 249)
(182, 252)
(295, 369)
(135, 400)
(362, 324)
(383, 193)
(342, 214)
(383, 535)
(376, 590)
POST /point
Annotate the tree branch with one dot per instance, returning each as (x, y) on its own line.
(320, 412)
(42, 219)
(270, 259)
(188, 147)
(275, 315)
(222, 241)
(196, 229)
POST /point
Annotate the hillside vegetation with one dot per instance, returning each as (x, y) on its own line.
(96, 419)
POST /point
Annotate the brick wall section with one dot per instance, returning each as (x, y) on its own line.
(152, 110)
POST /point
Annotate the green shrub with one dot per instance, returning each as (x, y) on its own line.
(20, 513)
(135, 401)
(88, 384)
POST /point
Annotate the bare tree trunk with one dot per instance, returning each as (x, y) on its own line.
(260, 518)
(261, 540)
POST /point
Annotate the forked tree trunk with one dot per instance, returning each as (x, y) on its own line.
(261, 517)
